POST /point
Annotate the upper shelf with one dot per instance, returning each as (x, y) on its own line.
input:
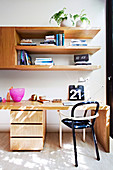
(59, 49)
(70, 32)
(59, 67)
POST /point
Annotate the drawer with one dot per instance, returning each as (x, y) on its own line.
(26, 116)
(26, 130)
(26, 143)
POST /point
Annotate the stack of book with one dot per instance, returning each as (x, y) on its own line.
(78, 42)
(59, 39)
(23, 58)
(27, 42)
(44, 61)
(49, 41)
(82, 59)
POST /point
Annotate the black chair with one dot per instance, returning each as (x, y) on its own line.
(82, 122)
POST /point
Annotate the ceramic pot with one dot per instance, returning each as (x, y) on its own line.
(66, 23)
(79, 23)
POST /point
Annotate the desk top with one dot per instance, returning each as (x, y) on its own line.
(34, 105)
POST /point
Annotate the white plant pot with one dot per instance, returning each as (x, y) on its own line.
(66, 23)
(83, 24)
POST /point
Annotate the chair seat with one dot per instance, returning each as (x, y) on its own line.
(78, 124)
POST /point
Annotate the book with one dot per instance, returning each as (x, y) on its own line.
(28, 58)
(63, 39)
(50, 40)
(43, 62)
(60, 39)
(47, 44)
(38, 61)
(78, 43)
(22, 59)
(77, 40)
(43, 59)
(57, 39)
(18, 57)
(69, 103)
(50, 37)
(29, 44)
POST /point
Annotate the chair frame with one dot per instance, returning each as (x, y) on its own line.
(73, 129)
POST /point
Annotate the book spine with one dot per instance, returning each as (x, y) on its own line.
(22, 58)
(18, 57)
(60, 39)
(57, 40)
(63, 37)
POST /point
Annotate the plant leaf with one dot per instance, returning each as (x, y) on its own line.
(86, 19)
(75, 16)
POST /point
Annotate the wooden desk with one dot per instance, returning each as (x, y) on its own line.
(23, 124)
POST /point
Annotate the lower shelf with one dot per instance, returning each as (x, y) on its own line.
(59, 67)
(26, 143)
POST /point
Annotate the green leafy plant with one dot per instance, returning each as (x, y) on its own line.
(59, 16)
(82, 17)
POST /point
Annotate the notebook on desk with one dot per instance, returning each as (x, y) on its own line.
(70, 103)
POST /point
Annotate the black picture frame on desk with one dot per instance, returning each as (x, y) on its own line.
(76, 93)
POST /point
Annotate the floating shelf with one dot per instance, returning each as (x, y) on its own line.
(58, 67)
(70, 32)
(58, 49)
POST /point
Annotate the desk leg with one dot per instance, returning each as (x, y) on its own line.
(60, 129)
(102, 129)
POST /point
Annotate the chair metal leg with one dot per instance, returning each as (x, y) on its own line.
(84, 136)
(95, 142)
(74, 142)
(60, 135)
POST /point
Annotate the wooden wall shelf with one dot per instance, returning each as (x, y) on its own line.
(10, 37)
(70, 32)
(58, 67)
(58, 49)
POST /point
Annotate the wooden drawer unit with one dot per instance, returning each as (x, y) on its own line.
(26, 143)
(26, 116)
(28, 128)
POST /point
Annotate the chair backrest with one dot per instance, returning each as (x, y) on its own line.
(84, 103)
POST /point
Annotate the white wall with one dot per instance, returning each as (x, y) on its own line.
(53, 84)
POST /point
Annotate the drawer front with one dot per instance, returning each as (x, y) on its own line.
(26, 130)
(26, 116)
(26, 143)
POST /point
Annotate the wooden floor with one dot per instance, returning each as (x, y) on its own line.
(53, 157)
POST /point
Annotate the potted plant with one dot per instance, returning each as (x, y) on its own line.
(62, 18)
(82, 21)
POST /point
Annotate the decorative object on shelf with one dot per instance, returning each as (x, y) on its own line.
(76, 93)
(3, 100)
(82, 59)
(34, 97)
(42, 97)
(82, 21)
(0, 99)
(62, 18)
(17, 94)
